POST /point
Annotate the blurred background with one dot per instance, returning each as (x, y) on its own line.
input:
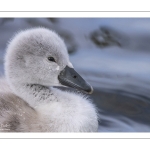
(112, 54)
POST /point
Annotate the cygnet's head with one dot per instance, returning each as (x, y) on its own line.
(39, 56)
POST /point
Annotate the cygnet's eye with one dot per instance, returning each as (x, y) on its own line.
(51, 59)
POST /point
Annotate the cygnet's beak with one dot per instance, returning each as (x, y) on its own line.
(69, 77)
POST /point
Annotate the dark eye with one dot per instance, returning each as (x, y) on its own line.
(51, 59)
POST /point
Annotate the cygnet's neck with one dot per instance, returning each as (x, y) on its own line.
(35, 94)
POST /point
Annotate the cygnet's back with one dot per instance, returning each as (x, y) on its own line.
(15, 114)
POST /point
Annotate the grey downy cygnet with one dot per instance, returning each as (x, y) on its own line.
(37, 60)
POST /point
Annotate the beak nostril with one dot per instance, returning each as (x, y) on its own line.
(75, 76)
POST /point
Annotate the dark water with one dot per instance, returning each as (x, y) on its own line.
(113, 55)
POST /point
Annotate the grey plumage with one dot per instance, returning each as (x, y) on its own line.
(28, 101)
